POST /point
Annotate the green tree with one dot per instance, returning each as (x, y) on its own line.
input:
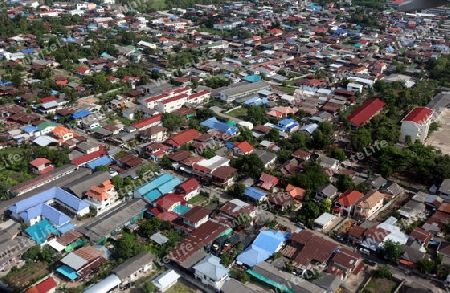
(425, 265)
(237, 191)
(166, 163)
(32, 253)
(383, 272)
(150, 226)
(344, 183)
(226, 259)
(392, 250)
(172, 121)
(126, 247)
(208, 153)
(338, 154)
(361, 138)
(273, 135)
(148, 287)
(250, 164)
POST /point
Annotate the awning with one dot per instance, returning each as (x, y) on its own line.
(67, 272)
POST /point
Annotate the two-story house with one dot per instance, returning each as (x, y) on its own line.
(41, 166)
(62, 134)
(369, 204)
(102, 197)
(327, 191)
(242, 148)
(188, 189)
(224, 176)
(154, 134)
(345, 203)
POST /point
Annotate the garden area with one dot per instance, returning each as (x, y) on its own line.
(199, 198)
(181, 287)
(381, 281)
(238, 113)
(19, 278)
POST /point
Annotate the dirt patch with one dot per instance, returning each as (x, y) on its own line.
(440, 139)
(399, 201)
(380, 286)
(26, 275)
(87, 101)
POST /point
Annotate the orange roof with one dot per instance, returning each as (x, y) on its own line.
(61, 130)
(100, 192)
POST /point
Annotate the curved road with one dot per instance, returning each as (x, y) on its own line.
(218, 110)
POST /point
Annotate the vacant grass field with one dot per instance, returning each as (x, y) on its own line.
(380, 286)
(287, 89)
(158, 4)
(238, 113)
(26, 275)
(198, 199)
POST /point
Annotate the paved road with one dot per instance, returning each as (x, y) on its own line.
(225, 116)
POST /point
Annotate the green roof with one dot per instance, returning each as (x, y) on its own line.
(44, 125)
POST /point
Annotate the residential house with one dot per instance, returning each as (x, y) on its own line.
(324, 221)
(81, 263)
(224, 176)
(186, 136)
(266, 157)
(444, 189)
(47, 286)
(102, 197)
(375, 181)
(421, 236)
(41, 166)
(236, 208)
(255, 194)
(268, 181)
(327, 191)
(242, 148)
(280, 200)
(12, 246)
(356, 234)
(413, 210)
(345, 203)
(166, 280)
(302, 155)
(196, 217)
(297, 193)
(416, 124)
(154, 134)
(369, 204)
(211, 272)
(171, 104)
(329, 163)
(135, 267)
(345, 262)
(62, 134)
(188, 189)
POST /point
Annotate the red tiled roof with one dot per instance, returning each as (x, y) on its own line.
(349, 198)
(199, 94)
(89, 157)
(189, 185)
(168, 216)
(245, 147)
(316, 249)
(223, 172)
(366, 111)
(346, 258)
(46, 170)
(183, 137)
(39, 162)
(418, 115)
(148, 121)
(176, 98)
(168, 200)
(301, 237)
(48, 99)
(421, 235)
(44, 286)
(196, 214)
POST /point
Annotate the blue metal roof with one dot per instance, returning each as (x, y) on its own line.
(270, 240)
(286, 121)
(28, 51)
(46, 211)
(41, 231)
(68, 272)
(254, 193)
(253, 256)
(310, 128)
(215, 124)
(153, 195)
(155, 183)
(169, 186)
(66, 228)
(30, 129)
(81, 114)
(53, 193)
(103, 161)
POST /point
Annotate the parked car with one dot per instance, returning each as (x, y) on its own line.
(364, 251)
(370, 262)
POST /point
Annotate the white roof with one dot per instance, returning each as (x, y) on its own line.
(166, 279)
(44, 140)
(56, 245)
(105, 285)
(324, 219)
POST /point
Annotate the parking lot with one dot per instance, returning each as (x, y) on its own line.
(441, 137)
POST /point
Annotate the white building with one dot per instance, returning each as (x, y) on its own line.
(416, 124)
(166, 280)
(211, 272)
(171, 104)
(200, 97)
(102, 197)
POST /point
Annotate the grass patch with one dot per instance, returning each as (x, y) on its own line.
(26, 275)
(158, 4)
(199, 198)
(380, 286)
(124, 121)
(294, 80)
(287, 89)
(238, 113)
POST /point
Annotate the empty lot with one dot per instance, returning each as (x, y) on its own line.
(440, 139)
